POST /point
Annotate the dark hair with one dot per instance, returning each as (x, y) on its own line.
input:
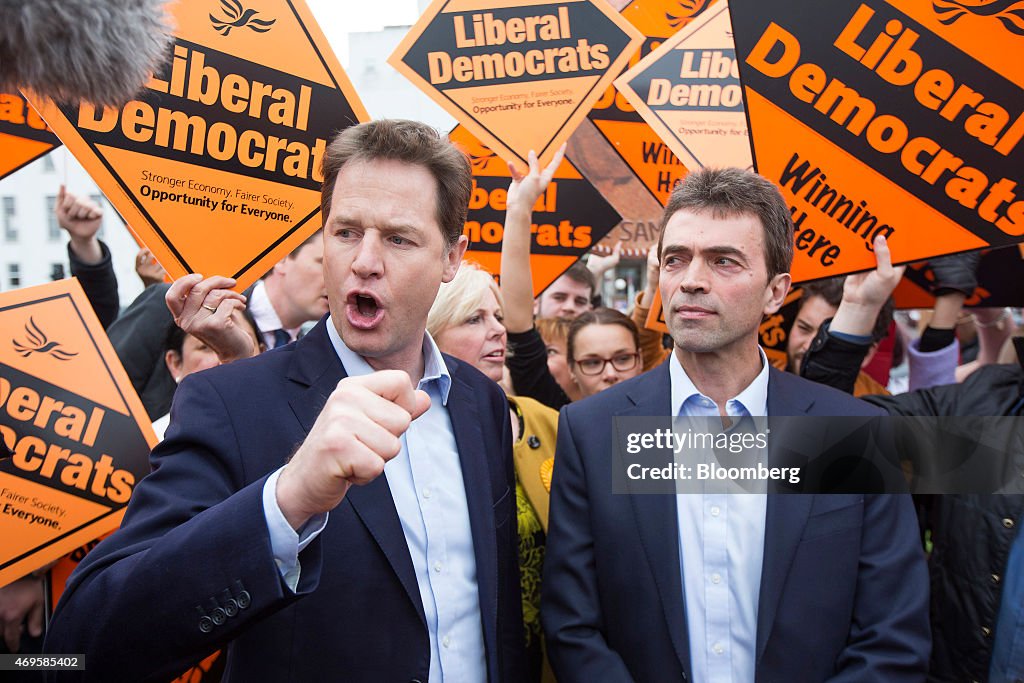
(579, 273)
(831, 290)
(175, 338)
(599, 316)
(413, 143)
(727, 192)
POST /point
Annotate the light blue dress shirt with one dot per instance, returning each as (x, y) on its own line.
(426, 484)
(721, 549)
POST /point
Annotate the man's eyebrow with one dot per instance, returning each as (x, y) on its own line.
(340, 218)
(675, 249)
(726, 250)
(356, 222)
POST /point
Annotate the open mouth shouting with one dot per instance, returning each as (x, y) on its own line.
(363, 310)
(496, 356)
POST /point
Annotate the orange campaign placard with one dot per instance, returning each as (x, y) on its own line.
(619, 152)
(74, 437)
(520, 75)
(24, 136)
(656, 316)
(217, 164)
(689, 91)
(568, 219)
(900, 118)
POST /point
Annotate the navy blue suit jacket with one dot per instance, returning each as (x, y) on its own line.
(195, 540)
(844, 588)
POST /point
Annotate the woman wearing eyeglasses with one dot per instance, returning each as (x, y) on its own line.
(603, 349)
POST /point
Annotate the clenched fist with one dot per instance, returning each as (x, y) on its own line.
(356, 434)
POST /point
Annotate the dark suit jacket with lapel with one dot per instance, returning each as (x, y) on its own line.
(844, 589)
(195, 538)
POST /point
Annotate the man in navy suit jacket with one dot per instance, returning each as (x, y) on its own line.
(266, 526)
(706, 586)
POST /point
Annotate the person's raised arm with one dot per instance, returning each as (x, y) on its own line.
(516, 276)
(834, 357)
(81, 218)
(90, 259)
(934, 356)
(599, 265)
(864, 294)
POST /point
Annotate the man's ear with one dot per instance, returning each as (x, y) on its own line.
(281, 267)
(453, 258)
(775, 293)
(172, 359)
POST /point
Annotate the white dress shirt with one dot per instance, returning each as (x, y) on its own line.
(721, 549)
(265, 316)
(426, 483)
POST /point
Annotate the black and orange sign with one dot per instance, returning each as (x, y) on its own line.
(217, 164)
(1000, 275)
(568, 219)
(520, 75)
(772, 334)
(619, 152)
(689, 91)
(900, 118)
(24, 136)
(76, 438)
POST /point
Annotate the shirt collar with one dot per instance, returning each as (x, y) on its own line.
(434, 368)
(753, 399)
(263, 311)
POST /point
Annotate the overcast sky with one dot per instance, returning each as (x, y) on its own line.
(338, 18)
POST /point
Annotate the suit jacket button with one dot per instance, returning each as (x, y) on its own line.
(230, 604)
(243, 599)
(219, 616)
(206, 624)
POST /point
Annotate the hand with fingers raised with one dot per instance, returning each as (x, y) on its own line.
(864, 294)
(525, 190)
(206, 309)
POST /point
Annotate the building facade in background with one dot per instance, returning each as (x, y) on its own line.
(33, 248)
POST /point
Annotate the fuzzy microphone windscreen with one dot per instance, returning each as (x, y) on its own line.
(98, 51)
